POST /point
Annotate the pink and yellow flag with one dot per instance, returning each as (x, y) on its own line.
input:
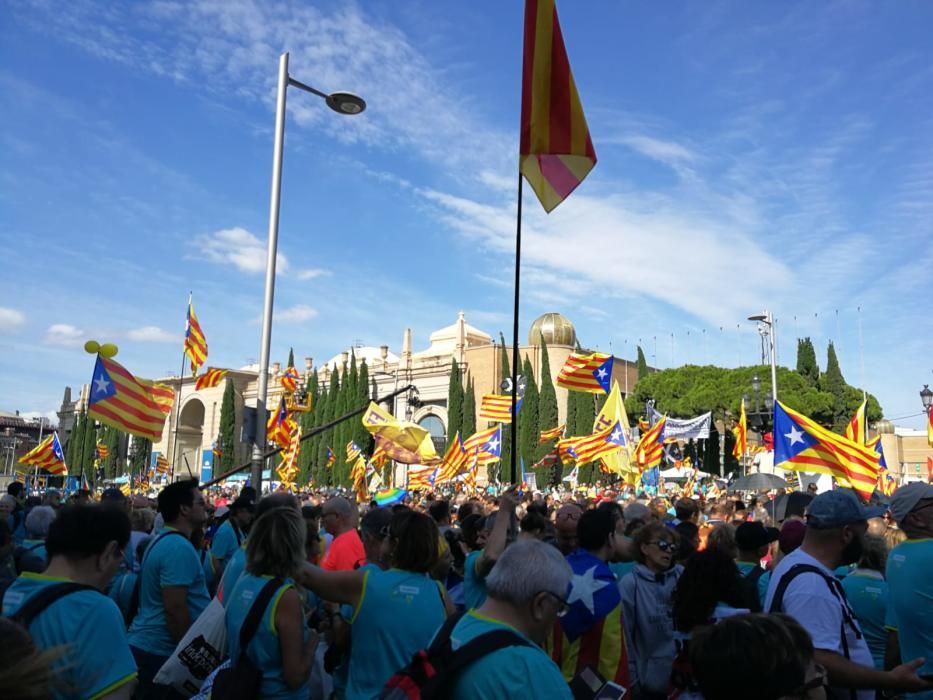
(556, 151)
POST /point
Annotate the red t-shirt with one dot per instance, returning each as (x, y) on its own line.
(345, 553)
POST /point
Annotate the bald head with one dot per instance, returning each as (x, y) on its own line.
(568, 515)
(338, 516)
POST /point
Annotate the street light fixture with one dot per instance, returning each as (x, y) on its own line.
(926, 396)
(343, 103)
(767, 318)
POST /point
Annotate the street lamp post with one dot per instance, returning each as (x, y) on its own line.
(759, 419)
(343, 103)
(767, 318)
(926, 396)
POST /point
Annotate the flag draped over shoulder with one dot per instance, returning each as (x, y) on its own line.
(741, 435)
(498, 407)
(650, 448)
(122, 401)
(803, 445)
(195, 342)
(47, 455)
(556, 152)
(591, 373)
(211, 378)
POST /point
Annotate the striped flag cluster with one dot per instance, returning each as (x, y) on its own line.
(590, 373)
(122, 401)
(650, 449)
(47, 455)
(589, 448)
(485, 447)
(290, 380)
(455, 459)
(421, 479)
(556, 151)
(553, 433)
(802, 444)
(195, 343)
(211, 378)
(497, 407)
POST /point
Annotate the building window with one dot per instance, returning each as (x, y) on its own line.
(438, 432)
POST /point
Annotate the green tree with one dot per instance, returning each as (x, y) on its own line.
(88, 449)
(528, 424)
(291, 358)
(547, 401)
(833, 383)
(363, 396)
(806, 361)
(113, 465)
(140, 454)
(468, 424)
(75, 444)
(227, 437)
(505, 461)
(584, 417)
(328, 437)
(341, 431)
(641, 364)
(455, 400)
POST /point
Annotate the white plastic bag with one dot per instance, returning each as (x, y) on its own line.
(201, 650)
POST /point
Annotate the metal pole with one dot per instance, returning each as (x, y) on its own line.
(181, 379)
(265, 342)
(515, 363)
(773, 334)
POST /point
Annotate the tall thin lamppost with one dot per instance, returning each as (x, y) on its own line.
(767, 318)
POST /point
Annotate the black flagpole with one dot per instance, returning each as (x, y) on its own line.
(518, 264)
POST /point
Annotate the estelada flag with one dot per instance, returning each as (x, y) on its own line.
(47, 455)
(556, 151)
(136, 406)
(497, 407)
(591, 373)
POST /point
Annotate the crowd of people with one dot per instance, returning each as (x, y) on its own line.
(515, 594)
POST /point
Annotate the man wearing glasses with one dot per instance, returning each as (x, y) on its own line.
(346, 552)
(910, 587)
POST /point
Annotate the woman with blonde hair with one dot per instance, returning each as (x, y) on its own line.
(282, 647)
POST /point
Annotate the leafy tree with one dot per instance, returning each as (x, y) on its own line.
(641, 364)
(227, 438)
(806, 361)
(468, 424)
(528, 425)
(140, 454)
(833, 383)
(455, 400)
(363, 438)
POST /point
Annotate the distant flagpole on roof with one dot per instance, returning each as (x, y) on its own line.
(181, 379)
(555, 149)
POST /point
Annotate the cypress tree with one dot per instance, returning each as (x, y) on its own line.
(87, 450)
(140, 454)
(363, 437)
(76, 444)
(528, 426)
(468, 424)
(806, 361)
(341, 432)
(227, 437)
(584, 417)
(455, 398)
(505, 461)
(547, 402)
(833, 382)
(641, 364)
(113, 465)
(291, 358)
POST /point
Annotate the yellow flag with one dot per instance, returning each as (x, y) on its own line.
(613, 411)
(402, 441)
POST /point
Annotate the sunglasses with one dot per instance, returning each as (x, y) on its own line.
(563, 605)
(665, 546)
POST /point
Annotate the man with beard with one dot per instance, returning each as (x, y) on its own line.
(804, 587)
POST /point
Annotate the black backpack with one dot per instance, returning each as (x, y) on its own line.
(133, 608)
(41, 601)
(432, 671)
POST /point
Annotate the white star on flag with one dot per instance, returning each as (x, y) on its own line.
(601, 372)
(493, 445)
(582, 588)
(617, 435)
(101, 385)
(794, 436)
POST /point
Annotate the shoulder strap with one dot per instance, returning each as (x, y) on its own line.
(754, 574)
(34, 547)
(133, 607)
(237, 533)
(44, 598)
(256, 610)
(443, 634)
(793, 572)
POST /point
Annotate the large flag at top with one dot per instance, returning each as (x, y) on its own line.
(592, 373)
(195, 342)
(803, 445)
(555, 152)
(135, 406)
(47, 455)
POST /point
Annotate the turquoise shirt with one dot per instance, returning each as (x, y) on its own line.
(225, 542)
(474, 586)
(169, 562)
(341, 674)
(910, 602)
(90, 630)
(512, 672)
(763, 582)
(263, 649)
(621, 568)
(121, 591)
(867, 592)
(397, 615)
(234, 569)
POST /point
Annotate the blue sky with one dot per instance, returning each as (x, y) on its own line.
(751, 155)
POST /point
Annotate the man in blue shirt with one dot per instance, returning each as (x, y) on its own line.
(910, 588)
(172, 590)
(501, 527)
(85, 545)
(231, 535)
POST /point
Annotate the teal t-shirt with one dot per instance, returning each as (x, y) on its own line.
(621, 568)
(763, 582)
(474, 586)
(910, 602)
(89, 628)
(746, 567)
(512, 672)
(37, 548)
(121, 591)
(226, 542)
(867, 592)
(263, 649)
(397, 615)
(168, 562)
(234, 569)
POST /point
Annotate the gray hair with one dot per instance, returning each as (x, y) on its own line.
(339, 505)
(526, 569)
(38, 522)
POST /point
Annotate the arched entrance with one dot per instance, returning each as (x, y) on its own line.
(187, 459)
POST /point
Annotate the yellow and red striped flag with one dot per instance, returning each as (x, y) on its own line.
(497, 407)
(421, 478)
(379, 457)
(353, 452)
(650, 448)
(162, 466)
(47, 455)
(856, 429)
(280, 426)
(587, 448)
(195, 342)
(455, 459)
(553, 433)
(290, 455)
(330, 458)
(122, 401)
(591, 373)
(485, 446)
(741, 435)
(556, 151)
(290, 379)
(101, 450)
(211, 378)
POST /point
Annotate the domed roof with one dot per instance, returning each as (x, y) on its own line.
(556, 329)
(884, 427)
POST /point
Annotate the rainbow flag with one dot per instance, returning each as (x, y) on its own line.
(556, 151)
(211, 378)
(390, 497)
(122, 401)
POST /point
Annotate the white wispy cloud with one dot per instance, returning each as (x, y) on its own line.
(11, 320)
(64, 334)
(152, 334)
(299, 313)
(311, 273)
(669, 153)
(238, 247)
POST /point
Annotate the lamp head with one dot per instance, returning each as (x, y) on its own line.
(758, 317)
(926, 395)
(756, 384)
(345, 103)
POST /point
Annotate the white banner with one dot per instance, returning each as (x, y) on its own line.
(684, 428)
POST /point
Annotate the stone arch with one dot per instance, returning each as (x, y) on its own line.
(187, 458)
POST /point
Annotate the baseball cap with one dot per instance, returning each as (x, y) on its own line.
(752, 535)
(906, 498)
(242, 503)
(837, 508)
(791, 536)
